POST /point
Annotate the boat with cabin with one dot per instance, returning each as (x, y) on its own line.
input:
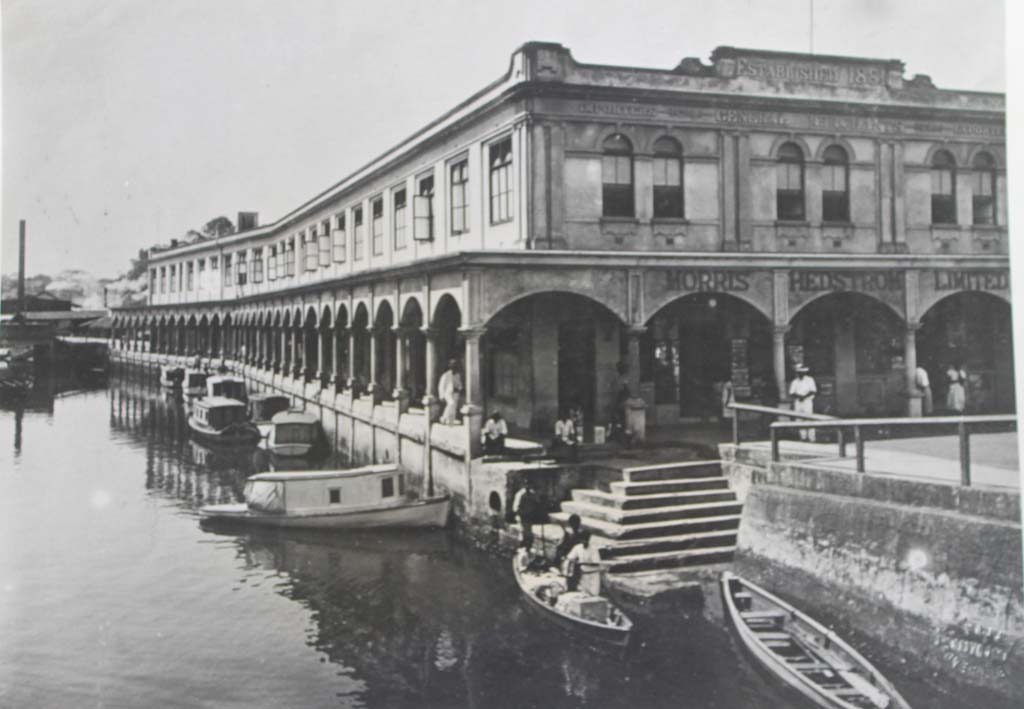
(194, 383)
(226, 385)
(372, 496)
(262, 408)
(171, 377)
(593, 618)
(803, 653)
(217, 419)
(293, 433)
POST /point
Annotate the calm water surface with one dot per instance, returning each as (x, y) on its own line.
(113, 595)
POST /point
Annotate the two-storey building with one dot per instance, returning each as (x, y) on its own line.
(573, 228)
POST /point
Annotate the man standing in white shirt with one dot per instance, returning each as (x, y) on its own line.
(924, 386)
(802, 391)
(449, 388)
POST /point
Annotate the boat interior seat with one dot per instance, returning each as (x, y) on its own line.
(769, 635)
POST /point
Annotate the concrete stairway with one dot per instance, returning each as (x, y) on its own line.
(660, 516)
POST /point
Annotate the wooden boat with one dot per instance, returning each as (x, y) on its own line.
(194, 383)
(263, 406)
(221, 420)
(594, 618)
(226, 385)
(293, 433)
(374, 496)
(806, 655)
(171, 377)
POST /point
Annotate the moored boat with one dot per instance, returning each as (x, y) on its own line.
(592, 617)
(293, 433)
(263, 406)
(171, 377)
(803, 653)
(373, 496)
(194, 383)
(221, 420)
(227, 386)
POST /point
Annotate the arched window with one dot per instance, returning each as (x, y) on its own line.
(984, 200)
(835, 190)
(789, 191)
(617, 177)
(668, 178)
(943, 188)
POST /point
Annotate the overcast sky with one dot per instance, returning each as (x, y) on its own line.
(127, 122)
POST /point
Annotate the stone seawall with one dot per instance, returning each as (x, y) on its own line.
(931, 569)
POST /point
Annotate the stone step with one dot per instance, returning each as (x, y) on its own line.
(657, 514)
(672, 471)
(617, 548)
(657, 487)
(668, 499)
(670, 559)
(613, 530)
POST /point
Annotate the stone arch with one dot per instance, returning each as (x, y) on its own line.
(991, 151)
(386, 347)
(828, 142)
(799, 142)
(413, 367)
(360, 374)
(619, 310)
(952, 150)
(794, 311)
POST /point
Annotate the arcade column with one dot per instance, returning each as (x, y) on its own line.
(636, 407)
(779, 361)
(472, 412)
(915, 396)
(371, 387)
(400, 394)
(430, 401)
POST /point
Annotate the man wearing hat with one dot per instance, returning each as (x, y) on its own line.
(802, 390)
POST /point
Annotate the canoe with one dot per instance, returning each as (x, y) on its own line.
(804, 654)
(373, 496)
(606, 625)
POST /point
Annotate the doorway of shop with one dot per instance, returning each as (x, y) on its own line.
(577, 376)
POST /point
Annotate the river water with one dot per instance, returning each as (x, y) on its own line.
(113, 595)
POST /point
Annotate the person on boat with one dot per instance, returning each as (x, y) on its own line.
(493, 435)
(525, 507)
(802, 390)
(583, 567)
(570, 538)
(523, 556)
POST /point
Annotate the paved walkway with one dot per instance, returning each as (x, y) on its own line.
(994, 457)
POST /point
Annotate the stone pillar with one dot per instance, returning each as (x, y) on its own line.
(779, 362)
(431, 404)
(282, 343)
(636, 407)
(321, 362)
(400, 394)
(472, 412)
(338, 334)
(351, 383)
(914, 395)
(371, 387)
(296, 342)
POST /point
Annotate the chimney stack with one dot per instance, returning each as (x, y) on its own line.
(248, 221)
(21, 266)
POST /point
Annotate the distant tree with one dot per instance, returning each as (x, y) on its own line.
(192, 236)
(219, 226)
(139, 265)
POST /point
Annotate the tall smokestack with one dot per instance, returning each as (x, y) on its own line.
(21, 266)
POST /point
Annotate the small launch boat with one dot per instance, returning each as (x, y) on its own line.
(217, 419)
(227, 386)
(293, 433)
(263, 407)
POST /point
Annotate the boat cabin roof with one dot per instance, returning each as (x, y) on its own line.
(325, 474)
(219, 402)
(266, 396)
(218, 378)
(294, 417)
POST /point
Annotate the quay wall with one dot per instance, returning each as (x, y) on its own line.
(932, 570)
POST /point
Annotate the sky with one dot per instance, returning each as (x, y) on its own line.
(128, 122)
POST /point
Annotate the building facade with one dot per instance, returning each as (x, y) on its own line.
(574, 228)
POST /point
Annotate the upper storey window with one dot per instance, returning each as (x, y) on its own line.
(289, 257)
(984, 200)
(617, 177)
(325, 242)
(943, 188)
(310, 258)
(460, 197)
(272, 263)
(257, 266)
(377, 224)
(398, 217)
(340, 238)
(423, 209)
(668, 179)
(501, 181)
(789, 189)
(189, 270)
(358, 233)
(835, 190)
(226, 271)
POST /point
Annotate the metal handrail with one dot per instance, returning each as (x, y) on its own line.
(962, 423)
(775, 411)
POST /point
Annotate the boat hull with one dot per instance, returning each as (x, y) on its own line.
(290, 450)
(596, 633)
(777, 665)
(230, 436)
(432, 512)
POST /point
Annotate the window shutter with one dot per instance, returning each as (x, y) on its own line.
(421, 217)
